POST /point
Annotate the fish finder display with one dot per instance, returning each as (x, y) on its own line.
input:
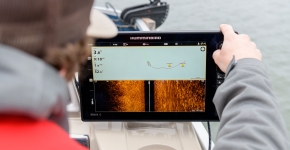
(149, 77)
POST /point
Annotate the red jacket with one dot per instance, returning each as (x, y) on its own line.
(18, 132)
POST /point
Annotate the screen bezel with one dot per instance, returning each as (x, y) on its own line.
(212, 38)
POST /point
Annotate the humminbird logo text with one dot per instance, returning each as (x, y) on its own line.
(146, 38)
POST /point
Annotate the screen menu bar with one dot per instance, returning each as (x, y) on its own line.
(192, 43)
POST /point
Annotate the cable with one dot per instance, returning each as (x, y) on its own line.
(209, 136)
(110, 5)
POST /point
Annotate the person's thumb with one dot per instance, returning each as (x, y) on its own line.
(216, 55)
(217, 59)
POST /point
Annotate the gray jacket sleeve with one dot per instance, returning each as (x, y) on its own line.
(249, 113)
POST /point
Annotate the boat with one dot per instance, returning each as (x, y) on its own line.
(134, 135)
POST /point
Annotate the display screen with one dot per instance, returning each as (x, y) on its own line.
(151, 76)
(177, 74)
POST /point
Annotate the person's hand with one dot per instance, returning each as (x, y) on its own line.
(239, 46)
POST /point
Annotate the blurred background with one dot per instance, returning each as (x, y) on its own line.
(267, 22)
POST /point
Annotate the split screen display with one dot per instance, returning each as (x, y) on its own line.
(149, 78)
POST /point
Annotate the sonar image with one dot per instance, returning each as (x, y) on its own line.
(179, 96)
(121, 96)
(167, 96)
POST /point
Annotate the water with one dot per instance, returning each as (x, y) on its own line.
(267, 22)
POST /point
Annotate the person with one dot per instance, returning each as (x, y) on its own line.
(42, 43)
(246, 105)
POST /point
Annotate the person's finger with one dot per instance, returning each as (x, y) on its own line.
(245, 36)
(260, 55)
(227, 31)
(254, 45)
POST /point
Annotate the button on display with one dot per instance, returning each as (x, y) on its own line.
(220, 76)
(219, 82)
